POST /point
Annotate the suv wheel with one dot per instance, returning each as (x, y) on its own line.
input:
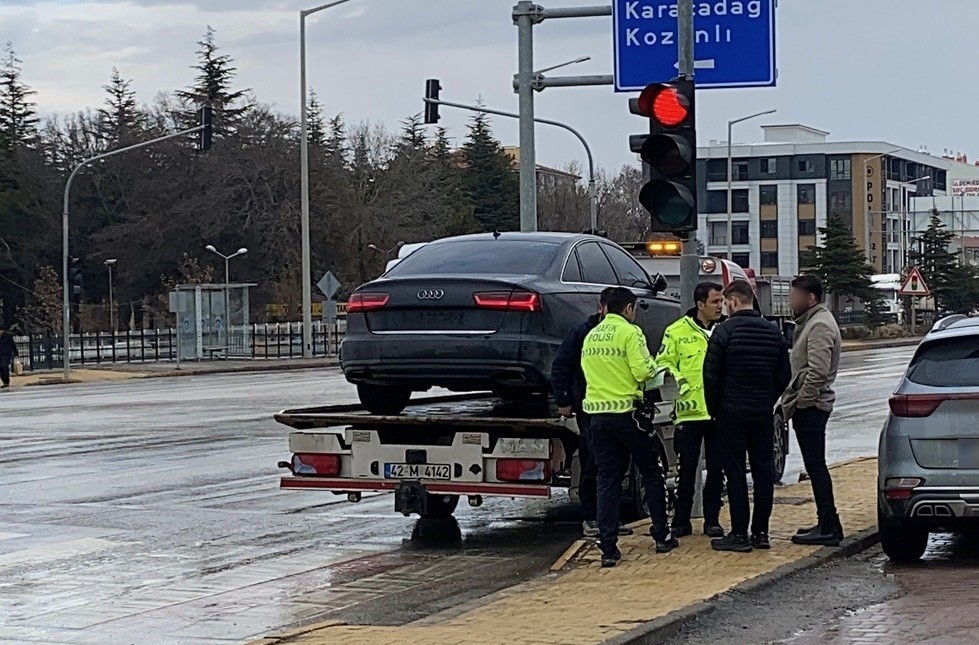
(781, 448)
(903, 542)
(383, 399)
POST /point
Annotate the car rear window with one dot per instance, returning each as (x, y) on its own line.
(488, 257)
(950, 362)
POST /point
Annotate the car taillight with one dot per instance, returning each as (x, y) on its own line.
(366, 301)
(523, 470)
(924, 405)
(901, 487)
(509, 300)
(315, 464)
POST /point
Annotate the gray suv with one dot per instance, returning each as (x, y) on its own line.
(928, 468)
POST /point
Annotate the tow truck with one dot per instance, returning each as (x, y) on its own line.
(444, 448)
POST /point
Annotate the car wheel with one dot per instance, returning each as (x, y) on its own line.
(780, 455)
(903, 543)
(440, 506)
(383, 399)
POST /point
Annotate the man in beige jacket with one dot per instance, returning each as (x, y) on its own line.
(809, 399)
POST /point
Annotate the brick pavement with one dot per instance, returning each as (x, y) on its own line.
(937, 605)
(588, 604)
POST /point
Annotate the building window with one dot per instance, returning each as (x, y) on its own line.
(840, 201)
(740, 171)
(769, 260)
(807, 227)
(839, 169)
(768, 195)
(768, 166)
(769, 229)
(716, 201)
(718, 234)
(804, 165)
(807, 193)
(739, 233)
(743, 260)
(739, 201)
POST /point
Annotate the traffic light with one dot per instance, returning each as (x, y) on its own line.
(432, 89)
(670, 151)
(76, 282)
(206, 119)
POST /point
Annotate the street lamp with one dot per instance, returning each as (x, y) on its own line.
(730, 173)
(307, 287)
(112, 303)
(387, 254)
(867, 213)
(227, 282)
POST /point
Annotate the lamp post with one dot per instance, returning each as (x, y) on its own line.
(730, 173)
(867, 214)
(112, 303)
(227, 282)
(307, 287)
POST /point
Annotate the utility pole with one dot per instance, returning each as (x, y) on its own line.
(525, 16)
(689, 258)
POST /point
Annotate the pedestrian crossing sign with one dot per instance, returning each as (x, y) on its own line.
(914, 285)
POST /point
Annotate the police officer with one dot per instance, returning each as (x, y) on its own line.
(568, 385)
(616, 364)
(682, 354)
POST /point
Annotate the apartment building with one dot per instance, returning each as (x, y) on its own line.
(784, 189)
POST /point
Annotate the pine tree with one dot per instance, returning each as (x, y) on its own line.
(954, 285)
(459, 220)
(213, 85)
(489, 179)
(839, 264)
(18, 113)
(121, 117)
(316, 127)
(337, 148)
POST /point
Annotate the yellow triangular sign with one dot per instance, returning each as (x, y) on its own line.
(914, 285)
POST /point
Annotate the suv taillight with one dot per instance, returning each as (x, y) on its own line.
(509, 300)
(924, 405)
(366, 301)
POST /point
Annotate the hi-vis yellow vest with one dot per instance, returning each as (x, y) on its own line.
(682, 353)
(616, 363)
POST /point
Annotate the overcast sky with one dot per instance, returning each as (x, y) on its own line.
(901, 71)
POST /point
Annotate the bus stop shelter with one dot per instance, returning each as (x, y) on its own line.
(212, 320)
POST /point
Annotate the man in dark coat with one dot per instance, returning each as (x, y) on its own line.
(746, 370)
(8, 352)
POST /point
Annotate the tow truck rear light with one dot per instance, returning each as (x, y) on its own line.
(359, 302)
(322, 465)
(901, 487)
(523, 470)
(509, 300)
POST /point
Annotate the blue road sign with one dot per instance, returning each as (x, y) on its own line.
(734, 43)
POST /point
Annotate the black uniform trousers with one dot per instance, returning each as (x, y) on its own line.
(616, 438)
(753, 434)
(687, 439)
(588, 478)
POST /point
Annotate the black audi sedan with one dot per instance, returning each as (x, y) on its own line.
(485, 312)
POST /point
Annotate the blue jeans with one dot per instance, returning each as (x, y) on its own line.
(615, 438)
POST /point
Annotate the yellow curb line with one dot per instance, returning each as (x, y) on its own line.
(571, 552)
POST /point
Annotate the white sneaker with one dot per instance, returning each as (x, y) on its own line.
(590, 529)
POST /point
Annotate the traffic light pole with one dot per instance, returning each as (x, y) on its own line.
(592, 188)
(66, 302)
(689, 262)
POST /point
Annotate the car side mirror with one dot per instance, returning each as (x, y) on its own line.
(659, 284)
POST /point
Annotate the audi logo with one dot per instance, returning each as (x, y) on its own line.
(430, 294)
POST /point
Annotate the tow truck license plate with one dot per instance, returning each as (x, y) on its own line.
(416, 471)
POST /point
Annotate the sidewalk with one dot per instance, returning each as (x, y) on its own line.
(644, 595)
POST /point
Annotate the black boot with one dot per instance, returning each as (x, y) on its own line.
(827, 533)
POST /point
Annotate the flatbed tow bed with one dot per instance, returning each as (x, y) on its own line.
(439, 450)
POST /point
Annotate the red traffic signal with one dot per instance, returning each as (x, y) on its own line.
(664, 104)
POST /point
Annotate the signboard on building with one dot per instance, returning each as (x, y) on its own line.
(965, 187)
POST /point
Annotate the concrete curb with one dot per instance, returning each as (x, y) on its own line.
(862, 346)
(661, 629)
(258, 367)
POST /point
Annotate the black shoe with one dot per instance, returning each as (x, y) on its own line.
(609, 560)
(760, 541)
(807, 529)
(818, 537)
(713, 530)
(732, 542)
(682, 530)
(667, 544)
(625, 530)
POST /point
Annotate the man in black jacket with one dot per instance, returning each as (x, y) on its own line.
(8, 351)
(568, 384)
(746, 370)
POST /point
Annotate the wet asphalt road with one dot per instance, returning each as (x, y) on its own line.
(148, 512)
